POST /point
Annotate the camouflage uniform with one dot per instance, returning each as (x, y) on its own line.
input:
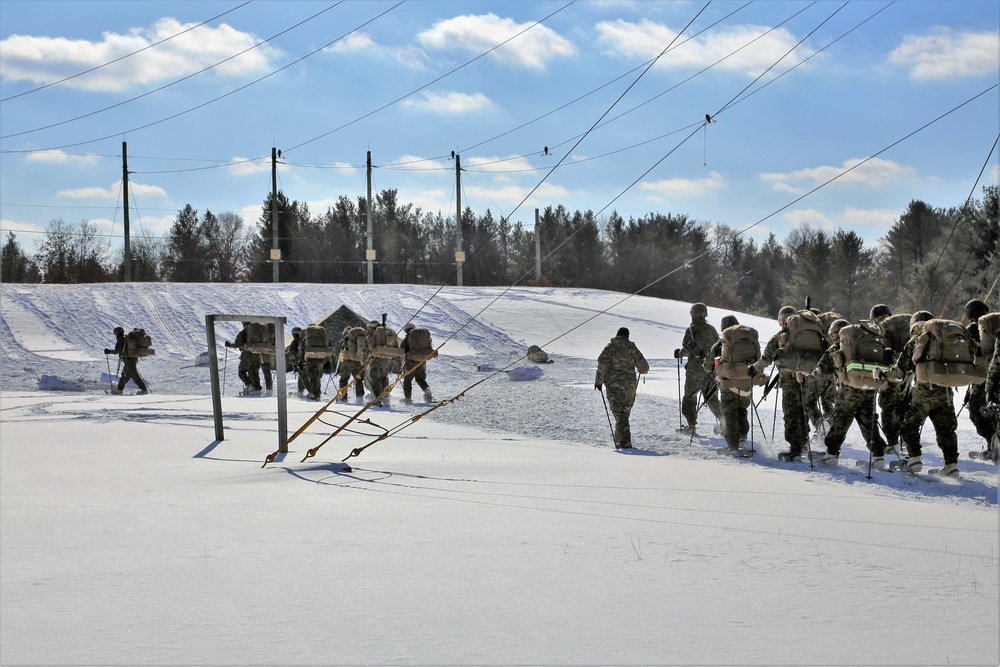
(377, 372)
(985, 425)
(819, 396)
(129, 366)
(793, 415)
(420, 374)
(267, 363)
(616, 368)
(698, 339)
(249, 369)
(733, 406)
(294, 354)
(851, 405)
(937, 403)
(312, 370)
(349, 370)
(990, 397)
(891, 400)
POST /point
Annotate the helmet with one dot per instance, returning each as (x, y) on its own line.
(119, 331)
(245, 323)
(409, 326)
(296, 330)
(919, 317)
(785, 312)
(976, 309)
(729, 321)
(836, 326)
(814, 311)
(622, 332)
(879, 313)
(699, 310)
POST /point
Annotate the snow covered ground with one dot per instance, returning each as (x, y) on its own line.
(501, 529)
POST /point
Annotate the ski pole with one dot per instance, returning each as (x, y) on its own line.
(110, 382)
(774, 419)
(608, 413)
(751, 415)
(680, 415)
(802, 402)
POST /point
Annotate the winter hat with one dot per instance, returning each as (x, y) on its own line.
(878, 312)
(729, 321)
(119, 331)
(699, 310)
(623, 332)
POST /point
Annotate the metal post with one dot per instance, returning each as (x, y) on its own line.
(370, 255)
(459, 255)
(538, 248)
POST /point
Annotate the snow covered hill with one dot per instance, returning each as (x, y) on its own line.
(503, 528)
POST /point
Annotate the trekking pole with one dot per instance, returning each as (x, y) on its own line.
(965, 402)
(225, 367)
(680, 415)
(874, 430)
(753, 409)
(608, 413)
(774, 420)
(760, 423)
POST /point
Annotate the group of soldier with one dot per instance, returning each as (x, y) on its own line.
(815, 388)
(361, 357)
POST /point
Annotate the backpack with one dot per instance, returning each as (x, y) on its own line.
(138, 344)
(355, 348)
(383, 343)
(803, 343)
(896, 331)
(946, 355)
(862, 350)
(315, 344)
(740, 348)
(828, 318)
(989, 327)
(260, 339)
(537, 354)
(418, 343)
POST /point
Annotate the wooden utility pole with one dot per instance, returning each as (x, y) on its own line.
(128, 241)
(459, 253)
(538, 248)
(370, 252)
(275, 250)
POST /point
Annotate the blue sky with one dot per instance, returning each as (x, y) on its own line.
(800, 92)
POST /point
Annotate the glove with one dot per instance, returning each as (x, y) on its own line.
(598, 386)
(752, 371)
(800, 377)
(107, 351)
(877, 373)
(228, 344)
(678, 354)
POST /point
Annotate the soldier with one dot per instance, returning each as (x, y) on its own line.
(414, 362)
(377, 367)
(928, 400)
(349, 368)
(249, 369)
(698, 339)
(734, 403)
(129, 365)
(892, 399)
(976, 397)
(851, 404)
(992, 402)
(267, 362)
(295, 351)
(617, 366)
(793, 413)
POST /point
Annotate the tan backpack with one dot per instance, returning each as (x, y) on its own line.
(989, 328)
(138, 344)
(383, 343)
(862, 350)
(419, 345)
(740, 348)
(896, 331)
(315, 344)
(260, 339)
(946, 355)
(803, 343)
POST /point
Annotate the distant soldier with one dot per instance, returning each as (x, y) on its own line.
(928, 401)
(295, 352)
(417, 349)
(893, 400)
(617, 366)
(992, 405)
(698, 340)
(129, 364)
(268, 362)
(249, 369)
(381, 347)
(352, 354)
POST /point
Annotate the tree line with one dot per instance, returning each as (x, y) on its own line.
(930, 258)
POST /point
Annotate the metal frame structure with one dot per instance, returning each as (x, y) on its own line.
(213, 362)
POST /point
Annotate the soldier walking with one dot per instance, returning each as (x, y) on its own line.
(617, 366)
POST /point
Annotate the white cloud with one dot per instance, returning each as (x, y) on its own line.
(450, 102)
(811, 217)
(646, 39)
(945, 53)
(499, 164)
(60, 157)
(113, 192)
(477, 34)
(47, 59)
(242, 166)
(875, 172)
(873, 217)
(359, 42)
(685, 186)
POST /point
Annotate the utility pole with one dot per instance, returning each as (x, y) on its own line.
(459, 253)
(128, 242)
(275, 250)
(538, 248)
(370, 252)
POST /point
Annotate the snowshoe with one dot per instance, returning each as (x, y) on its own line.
(790, 457)
(988, 456)
(829, 460)
(949, 470)
(737, 452)
(688, 430)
